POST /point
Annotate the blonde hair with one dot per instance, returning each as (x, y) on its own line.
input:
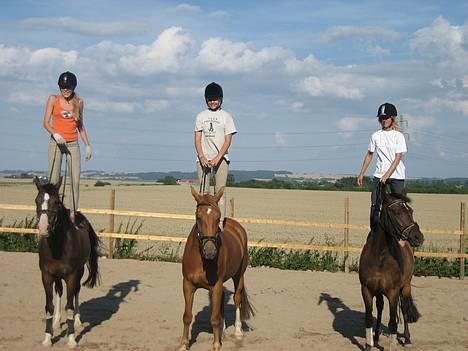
(76, 101)
(395, 125)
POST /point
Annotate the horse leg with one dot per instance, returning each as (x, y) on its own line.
(47, 282)
(189, 291)
(216, 302)
(393, 298)
(367, 297)
(380, 304)
(410, 312)
(76, 317)
(58, 303)
(238, 287)
(223, 317)
(69, 308)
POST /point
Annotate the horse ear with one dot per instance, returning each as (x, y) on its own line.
(219, 193)
(38, 183)
(195, 194)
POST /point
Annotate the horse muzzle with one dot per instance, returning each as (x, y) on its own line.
(415, 237)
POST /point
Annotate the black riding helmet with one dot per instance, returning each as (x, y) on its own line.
(67, 79)
(213, 91)
(387, 110)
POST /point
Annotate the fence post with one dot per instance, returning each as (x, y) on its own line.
(346, 236)
(231, 209)
(462, 239)
(110, 228)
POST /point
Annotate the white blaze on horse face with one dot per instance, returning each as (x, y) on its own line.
(43, 219)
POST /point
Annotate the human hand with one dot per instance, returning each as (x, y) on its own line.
(58, 138)
(203, 161)
(214, 162)
(359, 180)
(384, 178)
(88, 152)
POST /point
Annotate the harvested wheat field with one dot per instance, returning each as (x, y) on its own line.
(139, 306)
(436, 211)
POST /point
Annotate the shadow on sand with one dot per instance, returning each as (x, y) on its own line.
(347, 322)
(202, 321)
(100, 309)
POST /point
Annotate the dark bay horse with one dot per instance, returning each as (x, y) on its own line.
(387, 265)
(64, 250)
(210, 258)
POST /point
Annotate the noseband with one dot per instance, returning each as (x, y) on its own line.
(401, 232)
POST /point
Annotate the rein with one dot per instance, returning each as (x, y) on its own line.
(401, 232)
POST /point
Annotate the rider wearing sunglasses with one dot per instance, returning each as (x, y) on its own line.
(389, 144)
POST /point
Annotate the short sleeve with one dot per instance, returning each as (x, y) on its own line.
(229, 127)
(371, 147)
(198, 123)
(400, 144)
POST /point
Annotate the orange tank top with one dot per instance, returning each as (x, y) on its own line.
(63, 122)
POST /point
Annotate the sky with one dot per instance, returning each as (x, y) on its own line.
(302, 80)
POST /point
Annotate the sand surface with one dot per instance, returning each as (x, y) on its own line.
(139, 306)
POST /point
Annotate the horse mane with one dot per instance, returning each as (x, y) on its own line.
(392, 243)
(402, 197)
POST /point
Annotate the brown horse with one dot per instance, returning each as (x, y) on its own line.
(64, 249)
(387, 265)
(210, 258)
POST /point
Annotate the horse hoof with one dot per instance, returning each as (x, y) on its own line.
(47, 340)
(184, 348)
(71, 341)
(408, 344)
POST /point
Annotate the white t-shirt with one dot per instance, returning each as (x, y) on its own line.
(214, 125)
(387, 143)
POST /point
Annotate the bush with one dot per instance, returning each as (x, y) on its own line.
(101, 183)
(19, 242)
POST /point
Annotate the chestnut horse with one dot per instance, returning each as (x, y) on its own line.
(64, 249)
(211, 257)
(387, 265)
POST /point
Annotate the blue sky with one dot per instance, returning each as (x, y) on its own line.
(302, 79)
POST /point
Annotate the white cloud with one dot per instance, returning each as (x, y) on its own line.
(219, 14)
(185, 8)
(350, 124)
(378, 51)
(339, 85)
(27, 98)
(218, 54)
(155, 105)
(109, 106)
(359, 33)
(84, 27)
(280, 138)
(163, 55)
(443, 43)
(297, 106)
(418, 123)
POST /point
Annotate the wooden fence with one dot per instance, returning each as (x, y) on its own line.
(346, 226)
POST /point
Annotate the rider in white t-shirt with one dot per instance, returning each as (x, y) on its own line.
(390, 145)
(214, 129)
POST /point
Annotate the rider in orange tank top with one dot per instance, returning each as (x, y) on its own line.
(65, 111)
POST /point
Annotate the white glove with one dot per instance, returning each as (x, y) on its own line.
(58, 138)
(88, 152)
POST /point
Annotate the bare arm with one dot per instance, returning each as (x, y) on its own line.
(81, 127)
(48, 113)
(224, 149)
(391, 169)
(365, 165)
(199, 149)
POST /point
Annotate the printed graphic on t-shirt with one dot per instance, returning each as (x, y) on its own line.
(67, 114)
(210, 128)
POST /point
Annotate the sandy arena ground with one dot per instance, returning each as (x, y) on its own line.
(139, 306)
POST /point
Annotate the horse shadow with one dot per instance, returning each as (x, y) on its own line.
(100, 309)
(202, 321)
(347, 322)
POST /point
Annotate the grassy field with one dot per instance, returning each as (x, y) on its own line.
(438, 211)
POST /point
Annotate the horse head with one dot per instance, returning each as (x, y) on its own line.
(207, 217)
(398, 215)
(48, 205)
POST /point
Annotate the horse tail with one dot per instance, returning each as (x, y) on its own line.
(93, 277)
(247, 310)
(409, 309)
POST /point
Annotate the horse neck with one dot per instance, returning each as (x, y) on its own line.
(387, 239)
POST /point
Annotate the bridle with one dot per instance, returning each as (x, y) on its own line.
(204, 239)
(402, 232)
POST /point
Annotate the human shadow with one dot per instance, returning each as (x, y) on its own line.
(100, 309)
(202, 321)
(347, 322)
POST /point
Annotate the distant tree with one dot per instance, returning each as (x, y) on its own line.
(169, 180)
(101, 183)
